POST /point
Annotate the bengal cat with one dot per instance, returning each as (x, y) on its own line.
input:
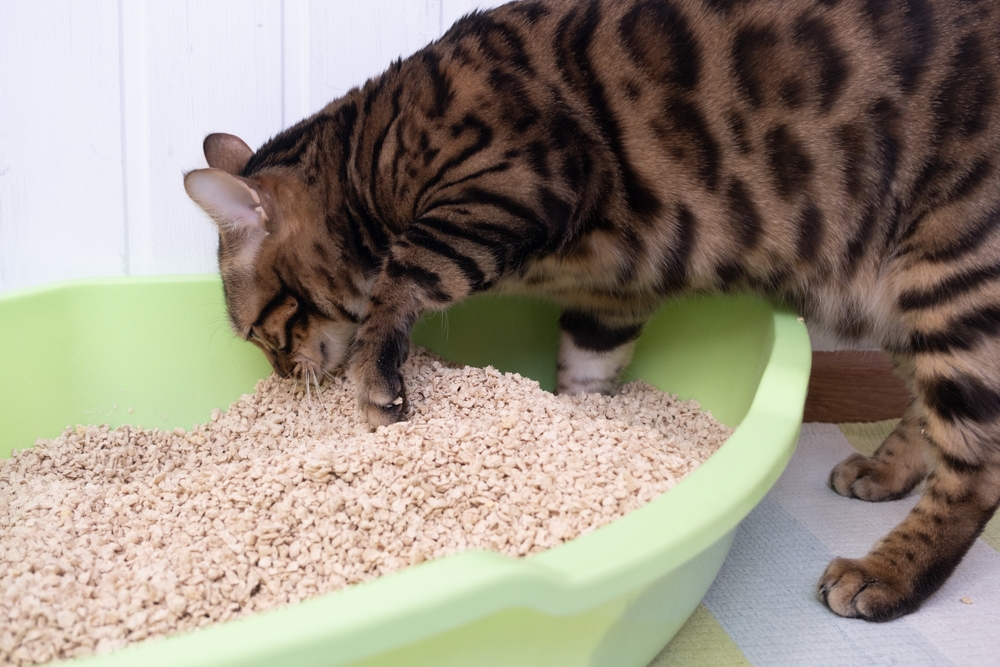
(837, 155)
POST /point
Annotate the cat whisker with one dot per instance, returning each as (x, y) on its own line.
(315, 380)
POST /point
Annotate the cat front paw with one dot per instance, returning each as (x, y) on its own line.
(379, 413)
(868, 478)
(861, 588)
(378, 355)
(381, 399)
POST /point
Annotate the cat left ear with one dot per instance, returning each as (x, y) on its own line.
(227, 152)
(230, 201)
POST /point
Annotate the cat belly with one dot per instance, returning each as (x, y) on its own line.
(576, 292)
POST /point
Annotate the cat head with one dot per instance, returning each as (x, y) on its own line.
(289, 286)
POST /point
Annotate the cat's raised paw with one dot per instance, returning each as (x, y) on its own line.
(854, 588)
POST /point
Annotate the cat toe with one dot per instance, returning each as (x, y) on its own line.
(855, 589)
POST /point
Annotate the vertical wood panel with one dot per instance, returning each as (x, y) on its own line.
(136, 161)
(61, 200)
(91, 179)
(212, 67)
(354, 40)
(452, 10)
(296, 62)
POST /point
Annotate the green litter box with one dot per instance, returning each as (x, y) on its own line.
(157, 352)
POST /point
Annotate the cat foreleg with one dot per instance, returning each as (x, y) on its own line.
(380, 347)
(420, 274)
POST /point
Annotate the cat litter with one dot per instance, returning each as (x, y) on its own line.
(109, 537)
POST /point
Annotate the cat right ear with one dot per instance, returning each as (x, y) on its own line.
(227, 152)
(230, 201)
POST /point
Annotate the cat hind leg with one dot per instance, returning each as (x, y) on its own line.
(594, 349)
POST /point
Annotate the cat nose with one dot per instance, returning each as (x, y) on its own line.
(282, 366)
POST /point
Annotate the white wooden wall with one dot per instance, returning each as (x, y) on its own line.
(104, 105)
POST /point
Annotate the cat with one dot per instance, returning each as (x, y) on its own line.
(838, 156)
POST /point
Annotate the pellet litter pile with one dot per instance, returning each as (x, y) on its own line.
(108, 537)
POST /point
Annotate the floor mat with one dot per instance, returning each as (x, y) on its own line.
(762, 609)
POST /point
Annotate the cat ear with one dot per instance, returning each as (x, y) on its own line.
(230, 201)
(227, 152)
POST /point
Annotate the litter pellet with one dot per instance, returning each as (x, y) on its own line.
(112, 536)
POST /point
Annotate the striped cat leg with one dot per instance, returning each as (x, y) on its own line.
(429, 267)
(404, 289)
(958, 399)
(594, 348)
(379, 349)
(897, 466)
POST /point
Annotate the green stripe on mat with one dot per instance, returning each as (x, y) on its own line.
(991, 533)
(867, 437)
(701, 642)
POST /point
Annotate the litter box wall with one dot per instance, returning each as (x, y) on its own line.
(81, 360)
